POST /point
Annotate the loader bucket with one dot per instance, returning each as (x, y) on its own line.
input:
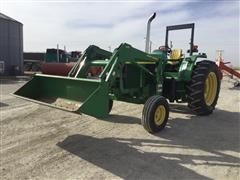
(80, 95)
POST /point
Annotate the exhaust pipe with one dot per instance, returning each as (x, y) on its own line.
(147, 46)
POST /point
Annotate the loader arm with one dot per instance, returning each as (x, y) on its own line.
(126, 54)
(90, 54)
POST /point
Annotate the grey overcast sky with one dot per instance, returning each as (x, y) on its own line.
(77, 24)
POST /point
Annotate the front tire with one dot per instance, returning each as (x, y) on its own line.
(155, 114)
(204, 87)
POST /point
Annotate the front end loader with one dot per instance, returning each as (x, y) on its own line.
(134, 76)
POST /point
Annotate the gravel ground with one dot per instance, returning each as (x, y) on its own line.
(39, 142)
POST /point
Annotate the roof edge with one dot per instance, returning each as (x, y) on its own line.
(3, 16)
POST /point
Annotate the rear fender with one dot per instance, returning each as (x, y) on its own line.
(187, 66)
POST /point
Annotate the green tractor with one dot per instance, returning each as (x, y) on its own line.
(134, 76)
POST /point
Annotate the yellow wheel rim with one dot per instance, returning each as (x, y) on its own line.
(159, 115)
(210, 88)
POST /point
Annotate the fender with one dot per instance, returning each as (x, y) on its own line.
(187, 66)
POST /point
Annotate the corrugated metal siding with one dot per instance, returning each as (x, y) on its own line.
(21, 48)
(4, 43)
(11, 46)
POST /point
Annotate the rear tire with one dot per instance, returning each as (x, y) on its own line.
(155, 114)
(204, 87)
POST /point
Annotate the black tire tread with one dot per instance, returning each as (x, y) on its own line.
(195, 88)
(147, 113)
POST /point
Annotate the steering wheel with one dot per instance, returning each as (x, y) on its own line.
(165, 49)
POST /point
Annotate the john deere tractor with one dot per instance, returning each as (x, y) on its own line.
(131, 75)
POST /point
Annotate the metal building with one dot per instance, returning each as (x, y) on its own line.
(11, 46)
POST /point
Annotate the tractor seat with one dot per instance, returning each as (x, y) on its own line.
(175, 56)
